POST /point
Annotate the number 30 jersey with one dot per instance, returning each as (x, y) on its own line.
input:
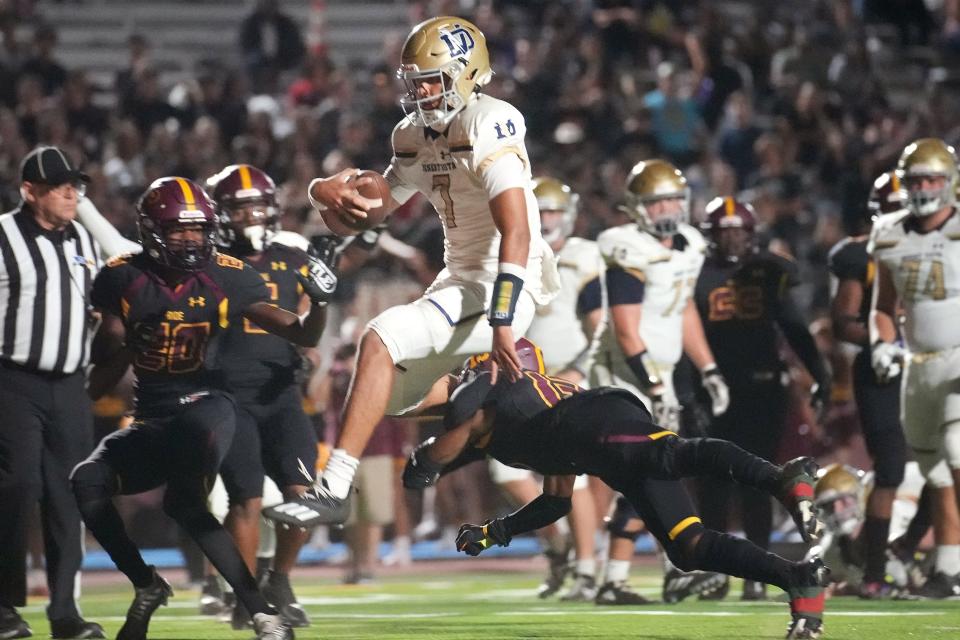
(450, 169)
(191, 316)
(925, 268)
(665, 279)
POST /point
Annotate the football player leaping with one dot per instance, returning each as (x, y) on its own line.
(917, 258)
(652, 268)
(465, 151)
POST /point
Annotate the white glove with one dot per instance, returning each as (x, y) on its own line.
(717, 388)
(887, 360)
(665, 410)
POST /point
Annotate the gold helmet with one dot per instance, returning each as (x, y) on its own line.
(840, 496)
(650, 181)
(553, 195)
(452, 51)
(928, 157)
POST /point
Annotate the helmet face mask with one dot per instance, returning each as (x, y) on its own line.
(928, 175)
(246, 208)
(657, 198)
(448, 53)
(169, 211)
(558, 206)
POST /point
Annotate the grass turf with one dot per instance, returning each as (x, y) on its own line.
(490, 605)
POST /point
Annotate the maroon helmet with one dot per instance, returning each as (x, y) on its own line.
(730, 226)
(170, 204)
(885, 196)
(530, 355)
(246, 200)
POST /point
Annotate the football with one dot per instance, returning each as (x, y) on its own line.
(377, 191)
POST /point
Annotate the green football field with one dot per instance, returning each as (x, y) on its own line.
(489, 604)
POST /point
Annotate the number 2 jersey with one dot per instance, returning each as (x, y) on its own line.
(256, 361)
(925, 268)
(449, 168)
(193, 317)
(740, 305)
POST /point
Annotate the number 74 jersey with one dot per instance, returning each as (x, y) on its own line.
(925, 268)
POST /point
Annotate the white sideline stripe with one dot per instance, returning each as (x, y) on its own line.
(713, 614)
(331, 616)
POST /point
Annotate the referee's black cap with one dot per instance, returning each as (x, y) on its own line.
(49, 165)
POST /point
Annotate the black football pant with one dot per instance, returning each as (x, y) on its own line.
(754, 421)
(182, 449)
(46, 429)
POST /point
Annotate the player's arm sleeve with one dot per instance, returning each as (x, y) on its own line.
(469, 456)
(624, 286)
(106, 235)
(466, 400)
(798, 337)
(543, 510)
(107, 291)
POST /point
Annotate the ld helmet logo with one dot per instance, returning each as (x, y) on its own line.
(459, 42)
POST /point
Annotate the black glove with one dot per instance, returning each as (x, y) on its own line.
(326, 249)
(320, 283)
(420, 471)
(144, 336)
(473, 539)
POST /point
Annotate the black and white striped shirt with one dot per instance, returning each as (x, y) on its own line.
(45, 280)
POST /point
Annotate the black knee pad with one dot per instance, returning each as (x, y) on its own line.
(92, 480)
(685, 545)
(617, 522)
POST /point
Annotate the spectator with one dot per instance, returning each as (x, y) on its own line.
(677, 126)
(270, 42)
(42, 64)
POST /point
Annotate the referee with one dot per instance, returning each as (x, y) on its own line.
(47, 264)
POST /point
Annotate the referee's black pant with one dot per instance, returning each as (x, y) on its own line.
(46, 428)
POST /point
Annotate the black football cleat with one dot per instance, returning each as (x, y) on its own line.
(74, 628)
(619, 593)
(753, 591)
(718, 593)
(145, 601)
(556, 574)
(797, 480)
(679, 585)
(12, 625)
(806, 599)
(583, 589)
(317, 506)
(940, 586)
(276, 589)
(211, 597)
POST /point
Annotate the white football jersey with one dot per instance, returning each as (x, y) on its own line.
(556, 328)
(925, 268)
(448, 169)
(669, 278)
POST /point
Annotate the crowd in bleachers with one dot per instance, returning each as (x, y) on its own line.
(796, 107)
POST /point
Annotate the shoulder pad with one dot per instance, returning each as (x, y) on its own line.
(223, 260)
(290, 240)
(406, 138)
(887, 231)
(693, 236)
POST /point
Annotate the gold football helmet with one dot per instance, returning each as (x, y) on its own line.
(648, 182)
(452, 51)
(928, 157)
(553, 195)
(840, 495)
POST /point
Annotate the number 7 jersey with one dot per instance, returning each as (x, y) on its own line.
(925, 268)
(449, 168)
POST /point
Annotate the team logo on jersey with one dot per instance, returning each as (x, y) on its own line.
(198, 301)
(459, 42)
(175, 316)
(278, 266)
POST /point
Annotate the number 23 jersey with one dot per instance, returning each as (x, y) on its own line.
(925, 268)
(191, 316)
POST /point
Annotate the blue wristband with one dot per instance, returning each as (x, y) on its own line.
(506, 292)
